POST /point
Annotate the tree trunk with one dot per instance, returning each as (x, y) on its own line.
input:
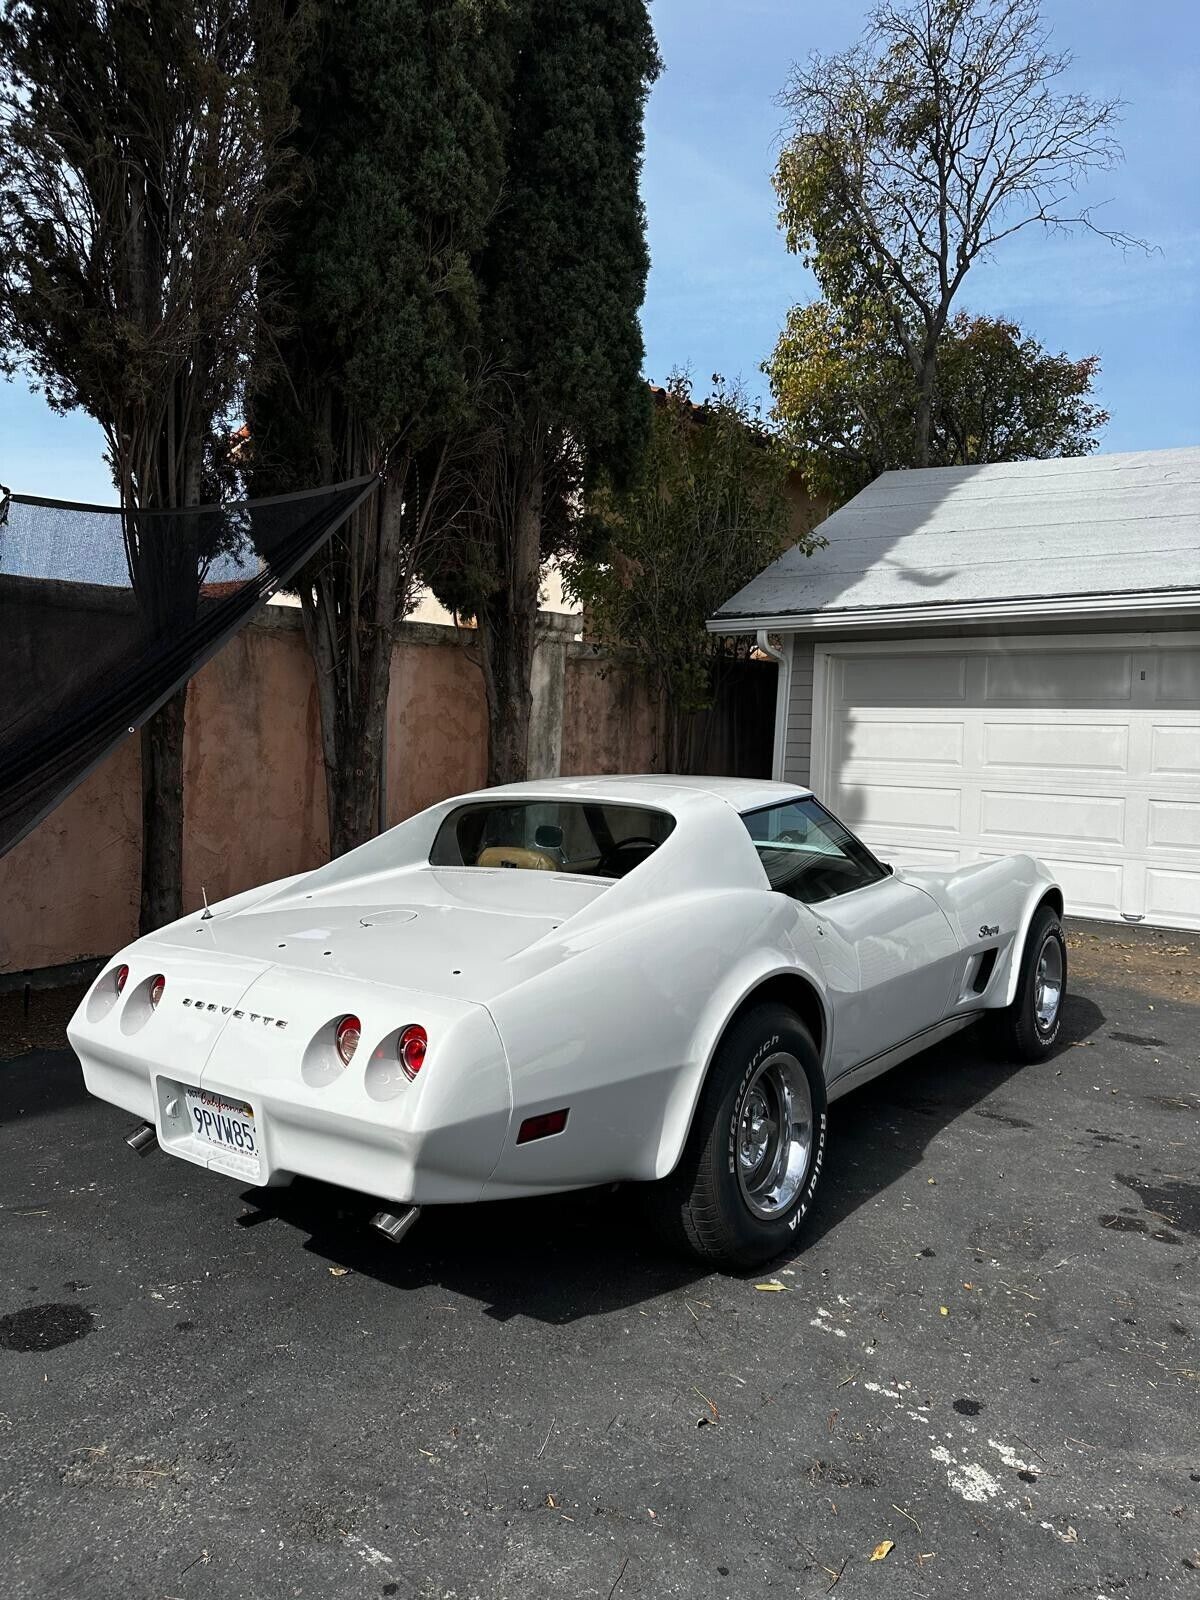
(353, 665)
(506, 650)
(162, 815)
(507, 626)
(354, 800)
(169, 595)
(925, 408)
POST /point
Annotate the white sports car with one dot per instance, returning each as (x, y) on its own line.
(552, 985)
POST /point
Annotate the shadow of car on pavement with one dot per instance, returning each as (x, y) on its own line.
(560, 1258)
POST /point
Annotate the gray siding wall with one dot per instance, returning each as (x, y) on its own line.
(798, 754)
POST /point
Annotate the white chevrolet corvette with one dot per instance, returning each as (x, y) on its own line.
(566, 983)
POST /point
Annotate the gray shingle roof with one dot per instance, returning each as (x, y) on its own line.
(1022, 531)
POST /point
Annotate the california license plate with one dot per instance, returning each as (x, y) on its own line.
(228, 1124)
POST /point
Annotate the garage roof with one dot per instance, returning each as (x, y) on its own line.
(1116, 534)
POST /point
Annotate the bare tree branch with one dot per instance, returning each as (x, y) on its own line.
(917, 152)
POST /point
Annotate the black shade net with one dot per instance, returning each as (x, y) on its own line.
(105, 614)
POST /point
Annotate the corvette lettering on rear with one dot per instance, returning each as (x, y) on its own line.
(238, 1016)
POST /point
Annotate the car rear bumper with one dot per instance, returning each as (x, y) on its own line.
(387, 1160)
(433, 1140)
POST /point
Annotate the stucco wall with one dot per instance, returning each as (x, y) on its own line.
(254, 790)
(71, 888)
(609, 721)
(437, 722)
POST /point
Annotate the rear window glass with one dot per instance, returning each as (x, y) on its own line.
(808, 854)
(595, 839)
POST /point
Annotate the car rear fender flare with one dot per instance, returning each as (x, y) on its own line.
(793, 985)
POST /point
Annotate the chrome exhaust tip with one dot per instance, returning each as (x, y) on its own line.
(143, 1139)
(395, 1224)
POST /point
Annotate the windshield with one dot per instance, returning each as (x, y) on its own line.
(588, 837)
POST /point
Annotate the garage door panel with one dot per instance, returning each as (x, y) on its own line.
(904, 680)
(1086, 754)
(901, 806)
(1090, 888)
(1095, 747)
(912, 855)
(1032, 816)
(1179, 678)
(1058, 676)
(871, 739)
(1175, 750)
(1173, 897)
(1174, 825)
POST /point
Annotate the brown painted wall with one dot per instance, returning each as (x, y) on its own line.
(71, 888)
(254, 787)
(609, 722)
(437, 722)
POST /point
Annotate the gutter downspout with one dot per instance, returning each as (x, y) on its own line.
(783, 696)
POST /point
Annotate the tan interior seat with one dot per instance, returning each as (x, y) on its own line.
(516, 855)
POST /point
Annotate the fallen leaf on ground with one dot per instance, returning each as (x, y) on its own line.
(882, 1550)
(774, 1287)
(943, 1311)
(338, 1272)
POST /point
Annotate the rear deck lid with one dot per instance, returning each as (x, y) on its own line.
(452, 931)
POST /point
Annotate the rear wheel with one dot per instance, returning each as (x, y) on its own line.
(750, 1168)
(1029, 1028)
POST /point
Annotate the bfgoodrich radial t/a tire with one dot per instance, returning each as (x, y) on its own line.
(1028, 1029)
(747, 1176)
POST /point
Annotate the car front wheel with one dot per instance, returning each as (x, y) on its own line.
(750, 1168)
(1029, 1028)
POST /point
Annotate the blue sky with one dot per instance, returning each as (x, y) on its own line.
(721, 280)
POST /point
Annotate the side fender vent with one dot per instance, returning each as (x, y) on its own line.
(983, 972)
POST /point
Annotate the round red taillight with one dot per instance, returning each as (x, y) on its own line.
(346, 1036)
(411, 1047)
(120, 977)
(157, 985)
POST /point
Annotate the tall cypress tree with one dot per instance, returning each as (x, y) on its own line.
(562, 280)
(142, 160)
(400, 107)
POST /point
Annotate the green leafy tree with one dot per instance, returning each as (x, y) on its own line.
(142, 163)
(1001, 396)
(562, 278)
(707, 511)
(403, 149)
(846, 401)
(945, 131)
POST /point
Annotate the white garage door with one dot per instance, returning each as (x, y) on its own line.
(1085, 753)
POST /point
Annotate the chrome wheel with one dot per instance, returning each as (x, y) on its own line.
(774, 1135)
(1048, 985)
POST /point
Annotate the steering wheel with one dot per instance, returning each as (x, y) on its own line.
(636, 841)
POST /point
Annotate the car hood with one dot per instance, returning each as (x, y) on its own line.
(463, 933)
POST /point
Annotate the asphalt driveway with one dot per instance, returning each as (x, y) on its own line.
(984, 1360)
